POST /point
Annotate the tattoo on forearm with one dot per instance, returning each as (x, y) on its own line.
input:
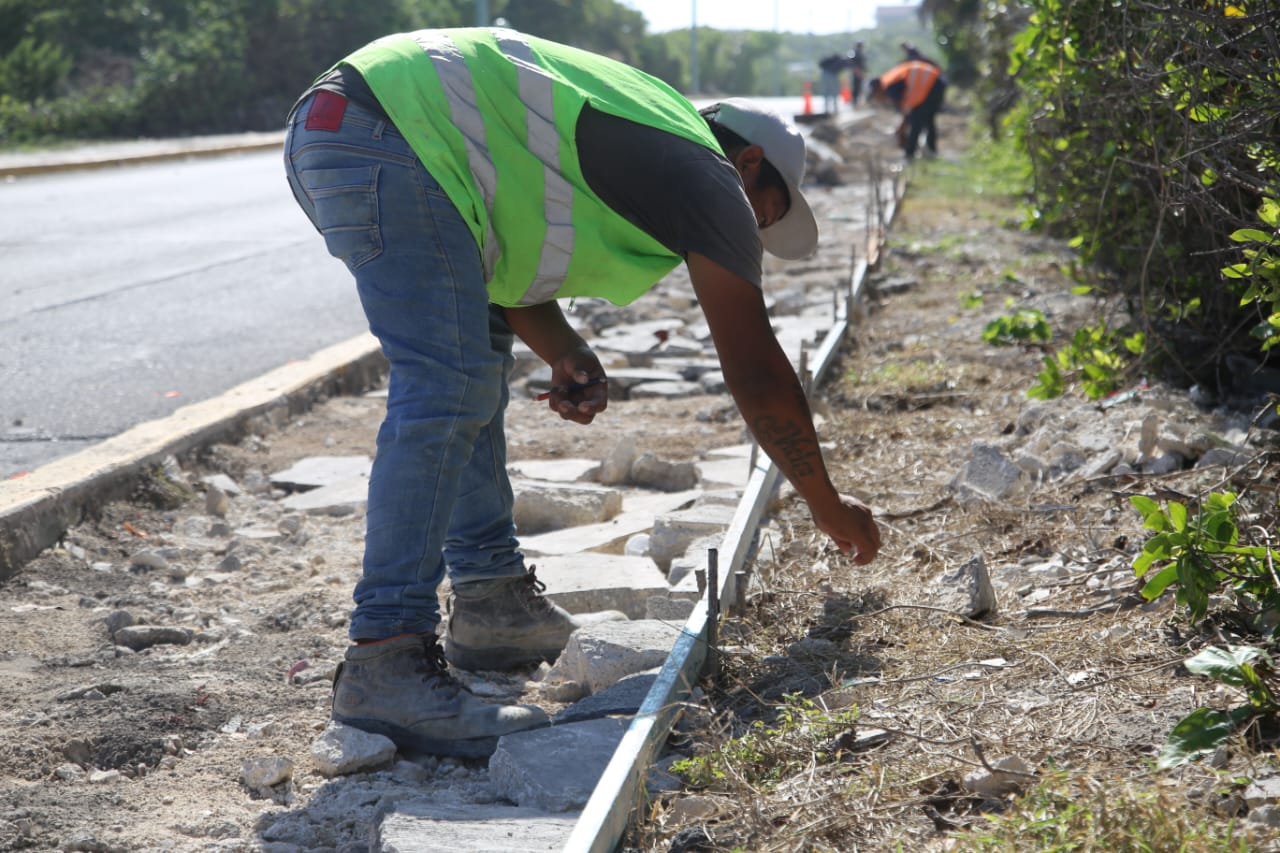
(799, 450)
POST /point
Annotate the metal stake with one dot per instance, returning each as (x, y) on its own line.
(713, 612)
(740, 592)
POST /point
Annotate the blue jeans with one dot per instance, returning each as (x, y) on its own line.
(830, 92)
(438, 493)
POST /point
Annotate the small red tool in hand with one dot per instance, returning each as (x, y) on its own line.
(569, 389)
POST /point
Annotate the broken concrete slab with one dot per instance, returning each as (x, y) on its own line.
(724, 471)
(223, 483)
(625, 378)
(621, 699)
(680, 346)
(541, 506)
(615, 467)
(338, 499)
(649, 471)
(638, 512)
(733, 451)
(604, 653)
(713, 382)
(316, 471)
(987, 475)
(633, 343)
(426, 826)
(554, 769)
(554, 470)
(696, 557)
(341, 750)
(675, 531)
(665, 390)
(966, 590)
(586, 582)
(672, 607)
(694, 368)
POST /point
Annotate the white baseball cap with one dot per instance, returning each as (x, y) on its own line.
(795, 235)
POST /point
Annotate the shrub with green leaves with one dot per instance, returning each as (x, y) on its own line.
(1204, 730)
(1199, 556)
(1024, 325)
(1260, 271)
(1097, 359)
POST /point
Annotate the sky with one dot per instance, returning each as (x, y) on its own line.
(799, 16)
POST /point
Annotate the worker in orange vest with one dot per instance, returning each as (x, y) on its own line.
(916, 89)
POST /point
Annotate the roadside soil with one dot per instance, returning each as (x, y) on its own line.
(104, 748)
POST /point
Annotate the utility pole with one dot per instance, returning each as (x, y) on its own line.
(777, 56)
(482, 13)
(694, 85)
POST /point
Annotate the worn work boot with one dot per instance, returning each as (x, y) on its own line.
(402, 688)
(507, 623)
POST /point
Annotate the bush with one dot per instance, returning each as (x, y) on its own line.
(1153, 134)
(33, 69)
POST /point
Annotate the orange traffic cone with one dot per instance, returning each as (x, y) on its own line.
(846, 94)
(808, 98)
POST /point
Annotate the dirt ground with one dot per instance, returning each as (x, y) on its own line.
(104, 748)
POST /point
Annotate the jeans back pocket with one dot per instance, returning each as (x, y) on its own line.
(345, 209)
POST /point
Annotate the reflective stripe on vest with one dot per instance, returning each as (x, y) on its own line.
(919, 81)
(537, 92)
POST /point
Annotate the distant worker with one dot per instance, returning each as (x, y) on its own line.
(916, 89)
(856, 61)
(831, 66)
(911, 53)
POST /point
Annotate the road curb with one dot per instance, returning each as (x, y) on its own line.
(124, 153)
(37, 509)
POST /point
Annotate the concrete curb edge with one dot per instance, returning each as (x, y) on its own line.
(36, 510)
(122, 157)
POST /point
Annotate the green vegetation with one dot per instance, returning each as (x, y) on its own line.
(801, 735)
(1201, 557)
(1066, 813)
(1260, 271)
(1153, 134)
(1024, 325)
(1097, 359)
(1205, 730)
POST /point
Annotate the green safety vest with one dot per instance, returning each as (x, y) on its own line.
(491, 113)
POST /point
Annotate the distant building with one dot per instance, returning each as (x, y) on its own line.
(889, 14)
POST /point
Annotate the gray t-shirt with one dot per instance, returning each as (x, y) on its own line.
(684, 195)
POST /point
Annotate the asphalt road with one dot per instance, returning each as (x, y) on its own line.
(129, 291)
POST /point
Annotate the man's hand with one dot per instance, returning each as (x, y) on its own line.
(579, 389)
(851, 527)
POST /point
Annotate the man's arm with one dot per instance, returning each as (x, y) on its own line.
(771, 399)
(547, 332)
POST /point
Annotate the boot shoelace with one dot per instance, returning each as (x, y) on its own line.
(434, 666)
(532, 591)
